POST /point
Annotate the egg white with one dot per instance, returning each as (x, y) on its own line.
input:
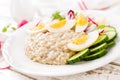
(43, 21)
(29, 31)
(81, 28)
(91, 28)
(92, 37)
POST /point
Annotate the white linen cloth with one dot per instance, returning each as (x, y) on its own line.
(27, 9)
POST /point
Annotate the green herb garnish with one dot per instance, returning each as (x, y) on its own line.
(101, 26)
(4, 29)
(57, 16)
(13, 28)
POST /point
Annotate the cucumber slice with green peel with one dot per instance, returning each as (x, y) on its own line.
(98, 48)
(110, 44)
(101, 39)
(78, 56)
(111, 35)
(96, 55)
(109, 28)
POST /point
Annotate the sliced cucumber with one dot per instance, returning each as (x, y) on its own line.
(111, 35)
(98, 48)
(101, 39)
(109, 28)
(96, 55)
(79, 56)
(110, 44)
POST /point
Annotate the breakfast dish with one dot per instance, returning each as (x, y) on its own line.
(14, 49)
(69, 38)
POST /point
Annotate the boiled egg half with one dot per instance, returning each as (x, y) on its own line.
(61, 25)
(39, 28)
(81, 23)
(85, 41)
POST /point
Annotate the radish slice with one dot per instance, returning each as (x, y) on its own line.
(39, 22)
(100, 32)
(23, 22)
(8, 67)
(71, 14)
(91, 20)
(91, 28)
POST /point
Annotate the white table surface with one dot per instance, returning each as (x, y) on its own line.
(108, 72)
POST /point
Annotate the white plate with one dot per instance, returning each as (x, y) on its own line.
(14, 54)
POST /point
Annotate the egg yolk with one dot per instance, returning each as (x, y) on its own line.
(39, 27)
(80, 40)
(81, 20)
(59, 24)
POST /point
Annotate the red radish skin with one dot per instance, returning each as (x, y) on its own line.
(71, 14)
(101, 32)
(8, 67)
(91, 20)
(23, 22)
